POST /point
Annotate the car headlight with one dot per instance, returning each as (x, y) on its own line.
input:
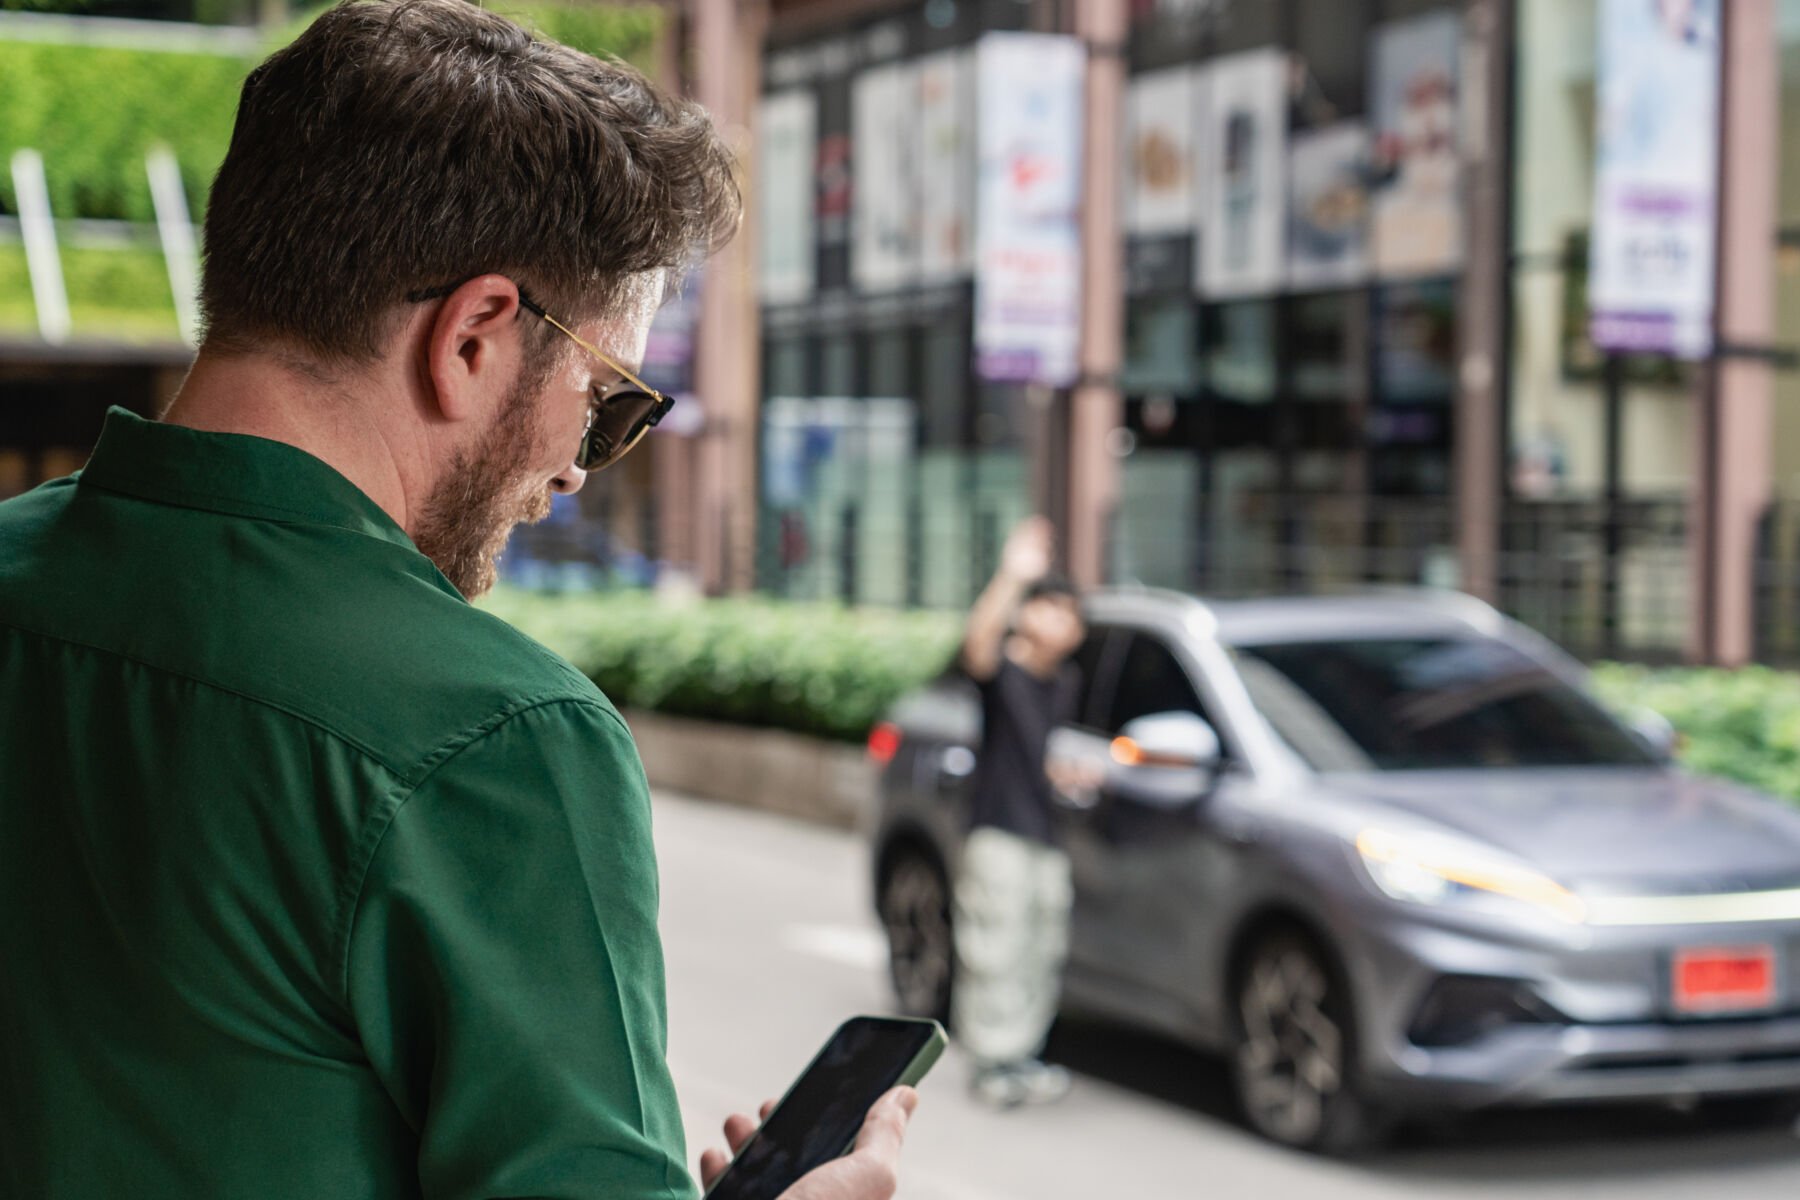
(1427, 868)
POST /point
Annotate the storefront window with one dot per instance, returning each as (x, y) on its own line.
(1596, 558)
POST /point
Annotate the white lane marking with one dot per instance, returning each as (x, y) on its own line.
(847, 945)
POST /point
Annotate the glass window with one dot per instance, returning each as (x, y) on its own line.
(784, 367)
(1391, 9)
(1151, 680)
(1240, 351)
(1428, 704)
(889, 373)
(1331, 52)
(1245, 25)
(1160, 346)
(1328, 342)
(837, 367)
(945, 385)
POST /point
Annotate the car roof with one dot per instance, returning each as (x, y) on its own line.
(1374, 613)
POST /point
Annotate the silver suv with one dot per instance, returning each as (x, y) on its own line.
(1387, 854)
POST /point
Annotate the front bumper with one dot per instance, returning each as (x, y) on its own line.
(1621, 1039)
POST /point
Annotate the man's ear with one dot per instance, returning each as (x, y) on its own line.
(473, 349)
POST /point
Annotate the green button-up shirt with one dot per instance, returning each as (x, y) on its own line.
(315, 881)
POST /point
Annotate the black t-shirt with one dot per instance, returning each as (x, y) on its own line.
(1018, 711)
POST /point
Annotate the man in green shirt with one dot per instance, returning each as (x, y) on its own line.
(316, 881)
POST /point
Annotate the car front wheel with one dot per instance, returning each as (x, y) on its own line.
(1293, 1069)
(915, 912)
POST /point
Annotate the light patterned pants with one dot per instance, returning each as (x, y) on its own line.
(1013, 897)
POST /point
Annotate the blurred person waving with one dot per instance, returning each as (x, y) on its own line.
(1013, 891)
(316, 881)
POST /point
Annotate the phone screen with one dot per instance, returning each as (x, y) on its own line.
(821, 1115)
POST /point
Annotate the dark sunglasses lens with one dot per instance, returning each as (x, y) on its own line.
(621, 421)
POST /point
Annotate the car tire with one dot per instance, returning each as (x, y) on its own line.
(1294, 1064)
(914, 904)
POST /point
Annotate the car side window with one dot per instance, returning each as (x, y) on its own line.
(1150, 680)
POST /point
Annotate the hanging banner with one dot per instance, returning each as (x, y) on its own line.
(883, 104)
(786, 135)
(1028, 239)
(1244, 202)
(1417, 203)
(945, 159)
(1161, 179)
(1651, 257)
(1328, 207)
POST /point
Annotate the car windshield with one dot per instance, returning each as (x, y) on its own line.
(1445, 703)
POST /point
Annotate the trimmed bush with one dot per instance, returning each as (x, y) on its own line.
(831, 671)
(819, 669)
(1741, 724)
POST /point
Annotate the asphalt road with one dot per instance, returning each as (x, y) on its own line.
(770, 944)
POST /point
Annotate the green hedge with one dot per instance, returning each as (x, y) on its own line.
(1742, 724)
(812, 668)
(827, 670)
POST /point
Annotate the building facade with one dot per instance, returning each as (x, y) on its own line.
(1291, 295)
(1331, 326)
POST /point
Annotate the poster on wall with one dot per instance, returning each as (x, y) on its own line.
(786, 133)
(1161, 174)
(1028, 237)
(1328, 207)
(1415, 201)
(883, 244)
(1243, 106)
(945, 160)
(1650, 277)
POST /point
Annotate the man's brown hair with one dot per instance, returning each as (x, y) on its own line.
(402, 145)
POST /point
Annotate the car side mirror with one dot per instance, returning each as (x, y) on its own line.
(1165, 760)
(1180, 741)
(1655, 732)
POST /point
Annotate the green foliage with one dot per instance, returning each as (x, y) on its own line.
(1741, 724)
(121, 294)
(813, 668)
(93, 112)
(622, 31)
(832, 671)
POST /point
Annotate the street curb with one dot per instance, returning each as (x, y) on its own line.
(825, 782)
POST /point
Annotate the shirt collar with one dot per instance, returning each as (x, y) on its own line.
(230, 473)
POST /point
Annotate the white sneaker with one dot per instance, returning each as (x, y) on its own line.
(1010, 1085)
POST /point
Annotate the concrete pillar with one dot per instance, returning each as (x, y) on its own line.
(727, 44)
(1096, 407)
(1481, 433)
(1732, 480)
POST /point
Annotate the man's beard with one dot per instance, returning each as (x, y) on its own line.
(472, 511)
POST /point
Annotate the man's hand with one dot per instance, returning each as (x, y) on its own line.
(871, 1171)
(1029, 550)
(1026, 558)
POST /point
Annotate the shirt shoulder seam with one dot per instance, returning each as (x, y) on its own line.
(308, 719)
(376, 826)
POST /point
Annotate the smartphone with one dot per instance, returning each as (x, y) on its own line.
(820, 1116)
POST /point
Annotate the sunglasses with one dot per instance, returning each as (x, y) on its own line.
(619, 414)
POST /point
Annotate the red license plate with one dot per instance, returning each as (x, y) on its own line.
(1724, 979)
